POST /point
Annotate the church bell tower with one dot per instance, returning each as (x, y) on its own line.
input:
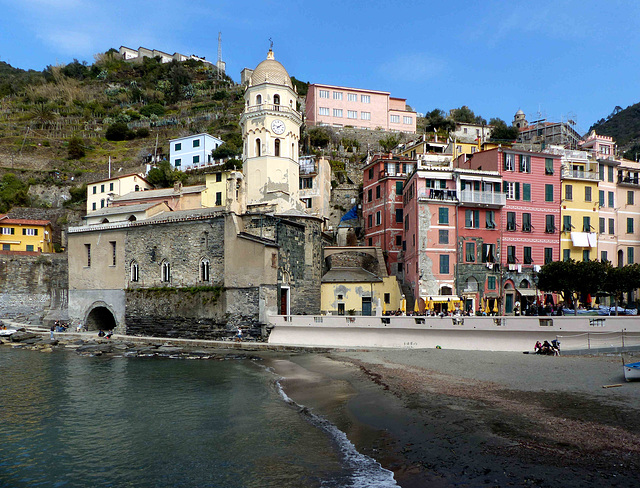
(271, 134)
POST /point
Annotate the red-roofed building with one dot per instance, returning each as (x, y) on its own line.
(25, 235)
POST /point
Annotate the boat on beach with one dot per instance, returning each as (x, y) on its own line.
(632, 371)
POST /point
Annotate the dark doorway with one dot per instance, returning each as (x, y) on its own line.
(100, 318)
(284, 301)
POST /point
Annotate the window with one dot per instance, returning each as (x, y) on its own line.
(511, 254)
(490, 219)
(548, 255)
(548, 193)
(526, 222)
(601, 172)
(610, 174)
(602, 225)
(352, 97)
(511, 221)
(629, 225)
(566, 223)
(196, 159)
(630, 197)
(102, 203)
(258, 148)
(601, 198)
(113, 253)
(205, 268)
(587, 193)
(548, 166)
(586, 224)
(178, 163)
(323, 110)
(407, 120)
(443, 236)
(378, 218)
(509, 162)
(527, 255)
(568, 192)
(526, 192)
(308, 202)
(378, 191)
(610, 198)
(444, 264)
(218, 198)
(101, 188)
(166, 271)
(612, 226)
(443, 215)
(258, 99)
(93, 206)
(324, 93)
(470, 252)
(87, 250)
(369, 194)
(30, 247)
(308, 183)
(95, 189)
(178, 146)
(488, 253)
(566, 254)
(472, 219)
(398, 240)
(6, 247)
(394, 119)
(276, 147)
(370, 221)
(629, 255)
(399, 215)
(525, 163)
(337, 95)
(603, 256)
(29, 232)
(491, 282)
(399, 185)
(337, 112)
(110, 186)
(196, 143)
(365, 98)
(133, 271)
(365, 115)
(512, 190)
(550, 224)
(586, 254)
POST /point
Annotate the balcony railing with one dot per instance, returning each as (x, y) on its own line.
(272, 108)
(628, 180)
(483, 197)
(437, 194)
(579, 174)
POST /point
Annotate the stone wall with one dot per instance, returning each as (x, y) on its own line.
(32, 286)
(60, 218)
(355, 259)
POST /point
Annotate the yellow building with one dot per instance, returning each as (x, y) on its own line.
(579, 207)
(101, 193)
(215, 194)
(25, 235)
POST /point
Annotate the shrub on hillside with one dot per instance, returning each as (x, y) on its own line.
(142, 132)
(152, 108)
(76, 148)
(119, 131)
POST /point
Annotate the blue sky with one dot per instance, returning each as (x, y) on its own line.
(560, 59)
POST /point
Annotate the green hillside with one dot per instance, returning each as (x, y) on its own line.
(624, 126)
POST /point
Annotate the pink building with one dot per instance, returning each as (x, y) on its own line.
(530, 234)
(383, 185)
(339, 106)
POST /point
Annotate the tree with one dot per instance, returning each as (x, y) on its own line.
(437, 120)
(319, 137)
(118, 131)
(152, 108)
(503, 132)
(76, 148)
(13, 192)
(466, 116)
(389, 142)
(164, 176)
(559, 277)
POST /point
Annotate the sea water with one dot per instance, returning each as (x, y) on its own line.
(68, 420)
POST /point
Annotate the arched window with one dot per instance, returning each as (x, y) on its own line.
(277, 147)
(293, 151)
(137, 188)
(205, 267)
(446, 290)
(166, 271)
(133, 271)
(105, 221)
(258, 148)
(276, 102)
(258, 99)
(132, 218)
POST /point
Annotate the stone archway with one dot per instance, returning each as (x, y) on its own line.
(100, 317)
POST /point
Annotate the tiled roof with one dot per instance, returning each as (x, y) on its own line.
(161, 193)
(4, 219)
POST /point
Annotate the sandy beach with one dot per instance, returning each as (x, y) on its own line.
(456, 418)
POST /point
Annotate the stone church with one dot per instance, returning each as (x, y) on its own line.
(200, 273)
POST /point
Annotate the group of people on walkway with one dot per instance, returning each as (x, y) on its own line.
(550, 349)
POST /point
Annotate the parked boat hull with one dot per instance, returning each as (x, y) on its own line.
(632, 371)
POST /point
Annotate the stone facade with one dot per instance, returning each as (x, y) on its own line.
(31, 284)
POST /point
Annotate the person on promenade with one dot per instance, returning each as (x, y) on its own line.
(239, 335)
(52, 329)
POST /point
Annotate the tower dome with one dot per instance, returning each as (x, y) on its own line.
(270, 71)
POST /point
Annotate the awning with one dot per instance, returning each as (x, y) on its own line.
(593, 239)
(443, 298)
(527, 292)
(580, 239)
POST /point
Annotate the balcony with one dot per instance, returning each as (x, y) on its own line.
(437, 194)
(628, 179)
(577, 174)
(308, 166)
(483, 198)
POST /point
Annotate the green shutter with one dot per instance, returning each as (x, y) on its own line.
(517, 190)
(505, 187)
(526, 192)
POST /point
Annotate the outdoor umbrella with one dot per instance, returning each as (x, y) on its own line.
(384, 307)
(495, 305)
(403, 305)
(416, 305)
(488, 309)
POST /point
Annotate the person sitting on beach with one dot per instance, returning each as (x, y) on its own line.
(100, 333)
(538, 347)
(555, 346)
(546, 348)
(108, 335)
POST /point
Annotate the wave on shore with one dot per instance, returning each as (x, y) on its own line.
(361, 470)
